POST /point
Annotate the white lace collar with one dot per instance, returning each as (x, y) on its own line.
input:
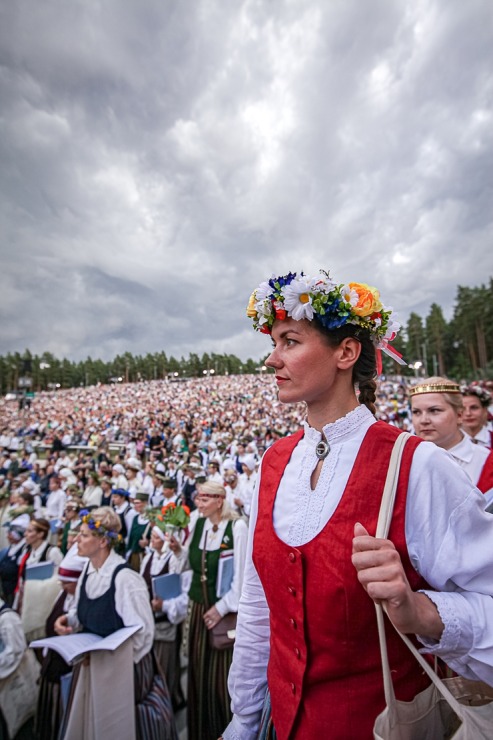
(306, 519)
(337, 431)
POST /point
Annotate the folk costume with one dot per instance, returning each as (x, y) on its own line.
(19, 672)
(140, 529)
(107, 600)
(484, 438)
(168, 633)
(92, 496)
(303, 612)
(127, 514)
(477, 461)
(43, 554)
(50, 710)
(10, 559)
(208, 698)
(34, 599)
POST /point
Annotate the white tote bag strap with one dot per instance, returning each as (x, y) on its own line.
(383, 526)
(390, 488)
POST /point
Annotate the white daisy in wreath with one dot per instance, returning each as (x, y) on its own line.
(298, 298)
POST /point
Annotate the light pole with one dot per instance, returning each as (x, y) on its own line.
(44, 366)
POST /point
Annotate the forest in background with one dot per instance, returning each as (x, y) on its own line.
(461, 348)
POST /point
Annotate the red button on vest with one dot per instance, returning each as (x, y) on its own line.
(292, 557)
(292, 590)
(293, 688)
(293, 623)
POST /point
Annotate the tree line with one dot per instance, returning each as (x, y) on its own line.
(31, 372)
(461, 348)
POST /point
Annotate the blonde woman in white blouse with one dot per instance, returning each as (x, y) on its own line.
(217, 529)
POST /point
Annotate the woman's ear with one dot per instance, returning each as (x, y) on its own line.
(348, 352)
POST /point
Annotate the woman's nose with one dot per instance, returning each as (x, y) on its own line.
(272, 360)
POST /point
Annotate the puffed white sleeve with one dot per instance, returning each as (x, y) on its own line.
(12, 643)
(247, 680)
(72, 619)
(55, 555)
(449, 535)
(133, 605)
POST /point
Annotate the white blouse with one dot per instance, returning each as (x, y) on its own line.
(92, 496)
(471, 458)
(443, 509)
(54, 554)
(175, 609)
(12, 642)
(483, 437)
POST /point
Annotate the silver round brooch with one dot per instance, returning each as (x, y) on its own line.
(322, 449)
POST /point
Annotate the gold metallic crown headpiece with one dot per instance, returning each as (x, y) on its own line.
(434, 388)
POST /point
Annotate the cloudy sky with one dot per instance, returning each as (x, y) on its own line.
(159, 159)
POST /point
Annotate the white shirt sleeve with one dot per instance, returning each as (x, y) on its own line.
(55, 555)
(133, 605)
(449, 537)
(247, 680)
(12, 643)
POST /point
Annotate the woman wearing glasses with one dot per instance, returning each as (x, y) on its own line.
(217, 530)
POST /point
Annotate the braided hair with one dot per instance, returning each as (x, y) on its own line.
(365, 368)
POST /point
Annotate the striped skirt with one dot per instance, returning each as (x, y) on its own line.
(154, 714)
(208, 711)
(154, 718)
(49, 711)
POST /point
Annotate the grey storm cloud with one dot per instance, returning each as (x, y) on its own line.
(159, 160)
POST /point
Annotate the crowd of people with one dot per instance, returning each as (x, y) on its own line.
(91, 477)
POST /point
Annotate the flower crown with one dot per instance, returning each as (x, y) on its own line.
(98, 528)
(477, 390)
(300, 296)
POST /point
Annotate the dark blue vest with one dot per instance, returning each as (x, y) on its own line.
(99, 615)
(9, 572)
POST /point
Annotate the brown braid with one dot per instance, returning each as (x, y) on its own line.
(365, 368)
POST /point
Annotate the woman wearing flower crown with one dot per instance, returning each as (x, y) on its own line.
(475, 422)
(306, 626)
(437, 411)
(110, 596)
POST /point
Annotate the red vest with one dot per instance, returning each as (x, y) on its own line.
(485, 481)
(324, 671)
